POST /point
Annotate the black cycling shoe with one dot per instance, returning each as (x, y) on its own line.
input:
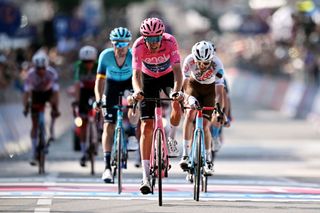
(145, 187)
(83, 161)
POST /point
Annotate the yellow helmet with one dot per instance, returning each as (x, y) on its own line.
(305, 6)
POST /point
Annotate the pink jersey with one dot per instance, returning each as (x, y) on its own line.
(159, 63)
(36, 83)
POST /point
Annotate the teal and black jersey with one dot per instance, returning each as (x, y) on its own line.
(108, 67)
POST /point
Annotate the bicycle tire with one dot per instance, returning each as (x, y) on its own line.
(41, 147)
(198, 165)
(119, 160)
(159, 162)
(91, 148)
(204, 183)
(153, 169)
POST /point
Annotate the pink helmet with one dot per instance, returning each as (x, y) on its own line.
(152, 27)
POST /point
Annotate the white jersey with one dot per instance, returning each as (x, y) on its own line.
(208, 76)
(36, 83)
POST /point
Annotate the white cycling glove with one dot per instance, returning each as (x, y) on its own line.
(193, 102)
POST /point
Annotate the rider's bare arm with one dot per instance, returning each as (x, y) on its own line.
(137, 83)
(98, 88)
(178, 77)
(219, 95)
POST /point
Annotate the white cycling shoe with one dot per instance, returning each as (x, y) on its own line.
(208, 169)
(145, 187)
(107, 176)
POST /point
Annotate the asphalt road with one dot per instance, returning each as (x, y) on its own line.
(268, 163)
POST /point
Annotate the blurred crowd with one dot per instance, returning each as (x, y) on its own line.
(282, 41)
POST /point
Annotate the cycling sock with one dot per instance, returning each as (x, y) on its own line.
(34, 146)
(185, 147)
(106, 158)
(145, 169)
(172, 132)
(132, 130)
(208, 155)
(83, 146)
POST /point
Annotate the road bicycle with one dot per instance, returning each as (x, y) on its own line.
(119, 153)
(159, 158)
(197, 155)
(91, 132)
(38, 110)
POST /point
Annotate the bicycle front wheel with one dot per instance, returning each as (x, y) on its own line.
(91, 148)
(119, 159)
(198, 165)
(41, 148)
(159, 161)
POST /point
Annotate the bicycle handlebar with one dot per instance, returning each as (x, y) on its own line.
(158, 99)
(205, 108)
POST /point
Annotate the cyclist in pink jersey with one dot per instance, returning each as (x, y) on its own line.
(156, 67)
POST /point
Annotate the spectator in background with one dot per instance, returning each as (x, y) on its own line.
(5, 76)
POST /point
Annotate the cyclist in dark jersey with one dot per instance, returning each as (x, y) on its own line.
(84, 77)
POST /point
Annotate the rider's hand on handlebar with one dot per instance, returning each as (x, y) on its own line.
(139, 95)
(176, 96)
(97, 105)
(193, 102)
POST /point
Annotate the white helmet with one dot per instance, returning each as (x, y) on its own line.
(40, 59)
(203, 51)
(88, 53)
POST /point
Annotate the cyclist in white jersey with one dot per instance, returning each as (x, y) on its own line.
(41, 86)
(203, 85)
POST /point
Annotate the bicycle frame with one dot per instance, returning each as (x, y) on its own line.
(119, 153)
(119, 149)
(159, 159)
(41, 135)
(41, 141)
(91, 132)
(197, 155)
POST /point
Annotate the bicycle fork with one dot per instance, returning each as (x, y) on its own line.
(193, 154)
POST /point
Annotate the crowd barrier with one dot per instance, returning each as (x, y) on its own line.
(293, 98)
(15, 128)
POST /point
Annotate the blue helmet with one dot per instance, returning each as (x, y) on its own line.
(120, 34)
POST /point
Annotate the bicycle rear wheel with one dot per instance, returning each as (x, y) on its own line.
(119, 159)
(159, 162)
(198, 165)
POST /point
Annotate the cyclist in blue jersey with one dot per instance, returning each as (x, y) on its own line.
(114, 74)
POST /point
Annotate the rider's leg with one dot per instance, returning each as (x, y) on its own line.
(54, 102)
(187, 138)
(208, 169)
(83, 142)
(34, 138)
(107, 142)
(137, 152)
(145, 146)
(187, 131)
(207, 135)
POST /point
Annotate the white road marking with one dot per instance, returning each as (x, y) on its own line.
(44, 202)
(41, 210)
